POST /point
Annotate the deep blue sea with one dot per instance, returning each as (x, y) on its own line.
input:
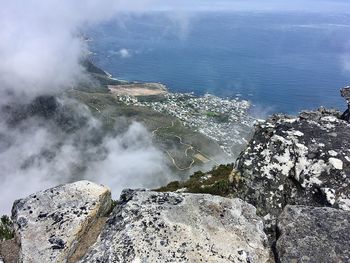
(282, 62)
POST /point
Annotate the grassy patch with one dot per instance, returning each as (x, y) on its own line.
(113, 205)
(222, 181)
(219, 117)
(211, 114)
(6, 229)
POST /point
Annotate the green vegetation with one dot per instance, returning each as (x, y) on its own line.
(90, 67)
(222, 181)
(113, 205)
(219, 117)
(6, 230)
(100, 75)
(178, 143)
(211, 114)
(184, 147)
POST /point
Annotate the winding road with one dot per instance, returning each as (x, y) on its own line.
(189, 147)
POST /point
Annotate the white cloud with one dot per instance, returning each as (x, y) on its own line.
(132, 162)
(40, 53)
(124, 53)
(345, 61)
(40, 50)
(37, 153)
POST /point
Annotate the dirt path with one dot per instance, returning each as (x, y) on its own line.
(189, 148)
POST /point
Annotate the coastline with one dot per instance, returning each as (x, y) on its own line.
(227, 121)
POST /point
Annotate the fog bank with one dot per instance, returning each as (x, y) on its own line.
(45, 141)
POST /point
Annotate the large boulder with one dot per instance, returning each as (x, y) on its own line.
(303, 160)
(148, 226)
(49, 224)
(313, 234)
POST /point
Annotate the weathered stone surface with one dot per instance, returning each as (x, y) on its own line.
(50, 223)
(314, 234)
(168, 227)
(9, 251)
(303, 160)
(345, 93)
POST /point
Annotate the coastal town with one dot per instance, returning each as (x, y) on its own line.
(225, 120)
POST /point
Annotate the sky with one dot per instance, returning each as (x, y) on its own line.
(239, 5)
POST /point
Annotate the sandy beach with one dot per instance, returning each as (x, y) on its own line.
(138, 89)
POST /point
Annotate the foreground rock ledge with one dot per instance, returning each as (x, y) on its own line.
(50, 224)
(314, 234)
(167, 227)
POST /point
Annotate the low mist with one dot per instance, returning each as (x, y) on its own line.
(53, 141)
(45, 138)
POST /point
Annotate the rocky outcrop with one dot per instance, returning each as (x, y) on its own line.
(345, 93)
(50, 224)
(303, 160)
(168, 227)
(145, 226)
(313, 234)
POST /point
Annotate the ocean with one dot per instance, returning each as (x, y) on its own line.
(281, 62)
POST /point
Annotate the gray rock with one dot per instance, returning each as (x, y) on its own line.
(9, 250)
(345, 93)
(313, 234)
(303, 160)
(168, 227)
(50, 223)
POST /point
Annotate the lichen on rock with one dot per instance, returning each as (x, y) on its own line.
(50, 223)
(148, 226)
(313, 234)
(303, 160)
